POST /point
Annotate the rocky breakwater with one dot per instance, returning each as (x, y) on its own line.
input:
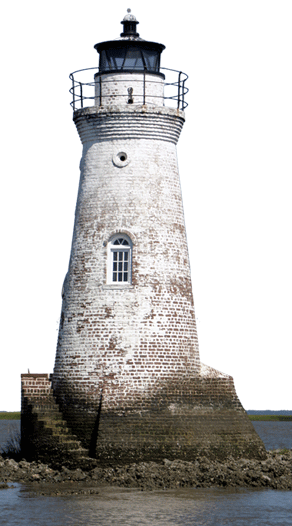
(273, 472)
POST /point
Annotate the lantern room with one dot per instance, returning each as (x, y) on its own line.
(129, 72)
(129, 53)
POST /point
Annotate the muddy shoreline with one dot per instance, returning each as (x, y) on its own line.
(274, 472)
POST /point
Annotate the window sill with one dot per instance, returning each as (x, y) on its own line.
(117, 286)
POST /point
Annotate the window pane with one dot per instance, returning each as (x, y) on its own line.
(151, 58)
(121, 241)
(133, 59)
(121, 261)
(103, 61)
(118, 57)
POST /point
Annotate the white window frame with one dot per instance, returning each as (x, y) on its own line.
(111, 269)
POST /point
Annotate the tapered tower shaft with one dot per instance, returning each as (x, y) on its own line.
(127, 374)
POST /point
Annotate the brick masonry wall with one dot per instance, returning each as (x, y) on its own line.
(177, 421)
(119, 88)
(35, 391)
(34, 386)
(127, 371)
(45, 436)
(128, 336)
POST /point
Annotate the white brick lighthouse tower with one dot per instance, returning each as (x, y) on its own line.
(127, 376)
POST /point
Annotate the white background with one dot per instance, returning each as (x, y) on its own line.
(235, 166)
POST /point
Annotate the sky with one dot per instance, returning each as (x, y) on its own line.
(235, 166)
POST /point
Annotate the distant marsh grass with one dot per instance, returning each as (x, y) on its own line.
(15, 415)
(269, 418)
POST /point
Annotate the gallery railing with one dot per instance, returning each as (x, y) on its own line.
(83, 93)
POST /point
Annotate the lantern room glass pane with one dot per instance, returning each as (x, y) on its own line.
(151, 59)
(118, 57)
(133, 59)
(104, 64)
(129, 58)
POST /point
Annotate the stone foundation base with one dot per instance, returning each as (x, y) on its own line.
(217, 434)
(44, 434)
(184, 421)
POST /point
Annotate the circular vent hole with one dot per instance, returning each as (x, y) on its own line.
(121, 159)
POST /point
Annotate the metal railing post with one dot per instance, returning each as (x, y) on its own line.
(73, 92)
(81, 94)
(183, 94)
(178, 95)
(144, 88)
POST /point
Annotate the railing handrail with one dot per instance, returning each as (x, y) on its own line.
(179, 84)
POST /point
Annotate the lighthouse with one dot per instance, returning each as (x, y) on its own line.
(127, 377)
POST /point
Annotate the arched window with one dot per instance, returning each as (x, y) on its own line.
(119, 259)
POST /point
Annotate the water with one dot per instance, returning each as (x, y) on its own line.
(275, 434)
(114, 506)
(8, 429)
(187, 507)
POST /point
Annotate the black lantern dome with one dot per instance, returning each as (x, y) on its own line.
(129, 53)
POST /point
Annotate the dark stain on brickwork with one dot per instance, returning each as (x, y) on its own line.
(184, 418)
(109, 313)
(62, 320)
(113, 341)
(94, 433)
